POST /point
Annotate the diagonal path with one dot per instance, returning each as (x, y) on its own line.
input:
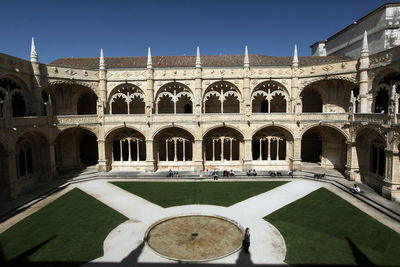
(128, 204)
(263, 204)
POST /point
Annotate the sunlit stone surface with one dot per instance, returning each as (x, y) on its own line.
(195, 238)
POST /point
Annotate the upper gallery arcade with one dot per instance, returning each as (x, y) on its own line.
(200, 112)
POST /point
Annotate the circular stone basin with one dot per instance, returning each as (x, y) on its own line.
(193, 238)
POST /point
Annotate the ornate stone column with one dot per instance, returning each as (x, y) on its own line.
(149, 156)
(198, 155)
(102, 165)
(52, 164)
(295, 160)
(352, 167)
(248, 156)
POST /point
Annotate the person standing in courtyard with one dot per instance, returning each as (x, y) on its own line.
(246, 240)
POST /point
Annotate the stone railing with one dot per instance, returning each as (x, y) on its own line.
(324, 117)
(29, 121)
(127, 118)
(76, 119)
(370, 117)
(272, 117)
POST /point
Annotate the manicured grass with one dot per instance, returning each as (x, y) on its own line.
(70, 231)
(322, 228)
(186, 193)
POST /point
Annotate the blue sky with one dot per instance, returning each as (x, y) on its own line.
(79, 28)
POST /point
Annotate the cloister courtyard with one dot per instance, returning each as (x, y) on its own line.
(146, 221)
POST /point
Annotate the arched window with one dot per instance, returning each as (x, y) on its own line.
(45, 99)
(221, 97)
(311, 100)
(382, 99)
(2, 99)
(269, 97)
(378, 158)
(18, 104)
(87, 103)
(24, 159)
(127, 99)
(174, 98)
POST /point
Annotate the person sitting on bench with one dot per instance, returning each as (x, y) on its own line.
(355, 189)
(319, 175)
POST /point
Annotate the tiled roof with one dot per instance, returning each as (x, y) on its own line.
(189, 61)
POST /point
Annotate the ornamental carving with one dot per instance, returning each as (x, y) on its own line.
(380, 60)
(328, 68)
(77, 120)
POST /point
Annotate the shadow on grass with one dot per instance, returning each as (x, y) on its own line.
(360, 257)
(132, 260)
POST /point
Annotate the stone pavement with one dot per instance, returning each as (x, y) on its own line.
(267, 244)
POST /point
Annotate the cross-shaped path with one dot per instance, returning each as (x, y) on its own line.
(267, 247)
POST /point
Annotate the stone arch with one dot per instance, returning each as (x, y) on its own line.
(174, 97)
(173, 148)
(380, 76)
(32, 157)
(325, 145)
(382, 90)
(224, 125)
(65, 97)
(87, 103)
(116, 128)
(269, 97)
(125, 148)
(283, 127)
(370, 147)
(55, 83)
(4, 174)
(76, 148)
(184, 128)
(305, 83)
(18, 94)
(222, 97)
(272, 143)
(335, 94)
(223, 148)
(23, 84)
(345, 135)
(126, 99)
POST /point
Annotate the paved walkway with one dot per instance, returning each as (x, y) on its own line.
(268, 246)
(125, 243)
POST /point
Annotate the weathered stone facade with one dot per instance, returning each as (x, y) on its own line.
(339, 112)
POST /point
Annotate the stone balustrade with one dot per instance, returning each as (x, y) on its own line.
(76, 119)
(29, 121)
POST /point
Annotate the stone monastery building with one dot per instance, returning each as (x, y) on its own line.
(201, 112)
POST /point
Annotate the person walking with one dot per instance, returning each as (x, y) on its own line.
(246, 240)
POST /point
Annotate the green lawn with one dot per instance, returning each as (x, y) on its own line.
(186, 193)
(322, 228)
(70, 231)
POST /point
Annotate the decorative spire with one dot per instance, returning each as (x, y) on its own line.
(34, 54)
(149, 61)
(198, 59)
(295, 61)
(364, 48)
(102, 61)
(246, 58)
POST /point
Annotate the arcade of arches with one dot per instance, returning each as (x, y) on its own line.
(181, 119)
(76, 148)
